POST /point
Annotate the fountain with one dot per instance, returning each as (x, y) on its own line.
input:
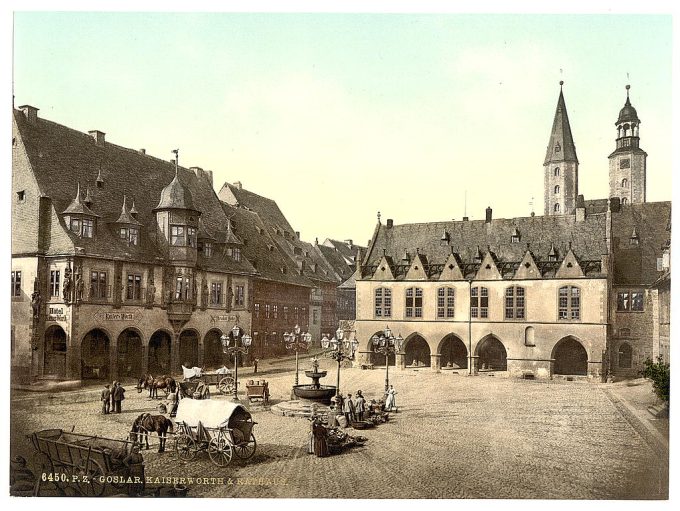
(315, 392)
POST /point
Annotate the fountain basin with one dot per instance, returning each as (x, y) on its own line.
(315, 393)
(315, 375)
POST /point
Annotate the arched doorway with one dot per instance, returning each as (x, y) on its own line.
(417, 352)
(492, 355)
(94, 355)
(454, 354)
(159, 353)
(54, 363)
(188, 348)
(378, 359)
(130, 353)
(213, 356)
(570, 357)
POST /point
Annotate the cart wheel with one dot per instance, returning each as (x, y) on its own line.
(89, 479)
(245, 450)
(226, 385)
(185, 448)
(220, 451)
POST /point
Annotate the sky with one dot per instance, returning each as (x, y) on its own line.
(339, 116)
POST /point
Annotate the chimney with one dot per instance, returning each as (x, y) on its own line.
(488, 215)
(390, 223)
(30, 112)
(297, 234)
(198, 171)
(350, 244)
(466, 219)
(142, 151)
(98, 136)
(580, 209)
(238, 185)
(615, 204)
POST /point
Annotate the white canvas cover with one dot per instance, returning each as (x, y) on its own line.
(212, 413)
(191, 372)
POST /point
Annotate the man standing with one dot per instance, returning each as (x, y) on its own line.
(348, 409)
(360, 406)
(113, 388)
(255, 366)
(106, 399)
(118, 396)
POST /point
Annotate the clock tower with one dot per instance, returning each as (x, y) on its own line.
(628, 163)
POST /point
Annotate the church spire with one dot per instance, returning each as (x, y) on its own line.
(560, 166)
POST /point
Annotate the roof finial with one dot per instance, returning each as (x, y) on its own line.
(561, 81)
(124, 203)
(77, 199)
(378, 216)
(627, 91)
(176, 152)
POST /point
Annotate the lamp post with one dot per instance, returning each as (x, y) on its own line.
(297, 341)
(388, 345)
(236, 342)
(339, 351)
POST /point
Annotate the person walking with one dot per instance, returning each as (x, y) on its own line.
(106, 399)
(118, 396)
(348, 409)
(255, 366)
(113, 404)
(391, 401)
(360, 406)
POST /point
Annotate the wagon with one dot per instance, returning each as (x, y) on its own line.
(221, 428)
(87, 463)
(222, 379)
(194, 389)
(257, 389)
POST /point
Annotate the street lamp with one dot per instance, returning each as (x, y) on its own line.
(298, 342)
(339, 351)
(387, 344)
(236, 342)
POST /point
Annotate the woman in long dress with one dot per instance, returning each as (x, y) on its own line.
(320, 445)
(391, 401)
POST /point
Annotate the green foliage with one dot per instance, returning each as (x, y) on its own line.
(660, 374)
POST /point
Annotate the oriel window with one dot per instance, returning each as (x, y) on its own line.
(134, 236)
(88, 228)
(239, 297)
(191, 237)
(177, 235)
(215, 293)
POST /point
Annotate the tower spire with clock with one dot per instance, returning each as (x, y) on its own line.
(628, 163)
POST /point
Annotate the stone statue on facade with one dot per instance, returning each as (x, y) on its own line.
(67, 284)
(230, 298)
(79, 286)
(204, 294)
(150, 290)
(36, 302)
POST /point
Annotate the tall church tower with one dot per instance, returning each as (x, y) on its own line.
(560, 166)
(628, 163)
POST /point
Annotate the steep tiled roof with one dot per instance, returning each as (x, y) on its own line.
(336, 261)
(175, 196)
(347, 251)
(635, 263)
(61, 158)
(260, 248)
(469, 239)
(267, 208)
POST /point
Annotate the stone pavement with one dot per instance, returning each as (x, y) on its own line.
(454, 437)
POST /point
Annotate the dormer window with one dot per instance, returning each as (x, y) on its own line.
(236, 254)
(75, 225)
(133, 236)
(123, 233)
(207, 249)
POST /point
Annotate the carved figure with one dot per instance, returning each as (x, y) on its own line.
(36, 302)
(67, 284)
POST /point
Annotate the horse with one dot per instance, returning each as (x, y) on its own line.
(153, 384)
(147, 423)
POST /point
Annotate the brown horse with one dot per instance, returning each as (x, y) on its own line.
(147, 423)
(165, 382)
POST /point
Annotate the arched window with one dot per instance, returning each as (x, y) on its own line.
(557, 189)
(624, 183)
(625, 356)
(514, 303)
(569, 307)
(557, 171)
(414, 302)
(556, 209)
(529, 336)
(383, 302)
(445, 302)
(479, 302)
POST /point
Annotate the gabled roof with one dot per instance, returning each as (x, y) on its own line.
(347, 250)
(336, 261)
(267, 208)
(125, 216)
(561, 144)
(635, 262)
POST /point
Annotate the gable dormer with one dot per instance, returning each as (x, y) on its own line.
(417, 269)
(570, 268)
(528, 269)
(451, 270)
(385, 269)
(79, 218)
(488, 269)
(127, 227)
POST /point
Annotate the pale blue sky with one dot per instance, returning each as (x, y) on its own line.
(337, 116)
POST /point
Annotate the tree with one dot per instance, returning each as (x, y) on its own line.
(660, 374)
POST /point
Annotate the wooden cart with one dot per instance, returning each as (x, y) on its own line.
(257, 389)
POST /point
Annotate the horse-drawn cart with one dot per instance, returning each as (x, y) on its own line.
(221, 428)
(257, 389)
(85, 464)
(222, 378)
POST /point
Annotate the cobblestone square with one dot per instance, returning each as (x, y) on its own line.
(454, 437)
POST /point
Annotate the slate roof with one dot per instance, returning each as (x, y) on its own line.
(635, 264)
(347, 251)
(62, 159)
(273, 265)
(176, 196)
(342, 270)
(267, 208)
(561, 134)
(467, 239)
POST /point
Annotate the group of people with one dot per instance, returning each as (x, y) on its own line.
(111, 398)
(355, 407)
